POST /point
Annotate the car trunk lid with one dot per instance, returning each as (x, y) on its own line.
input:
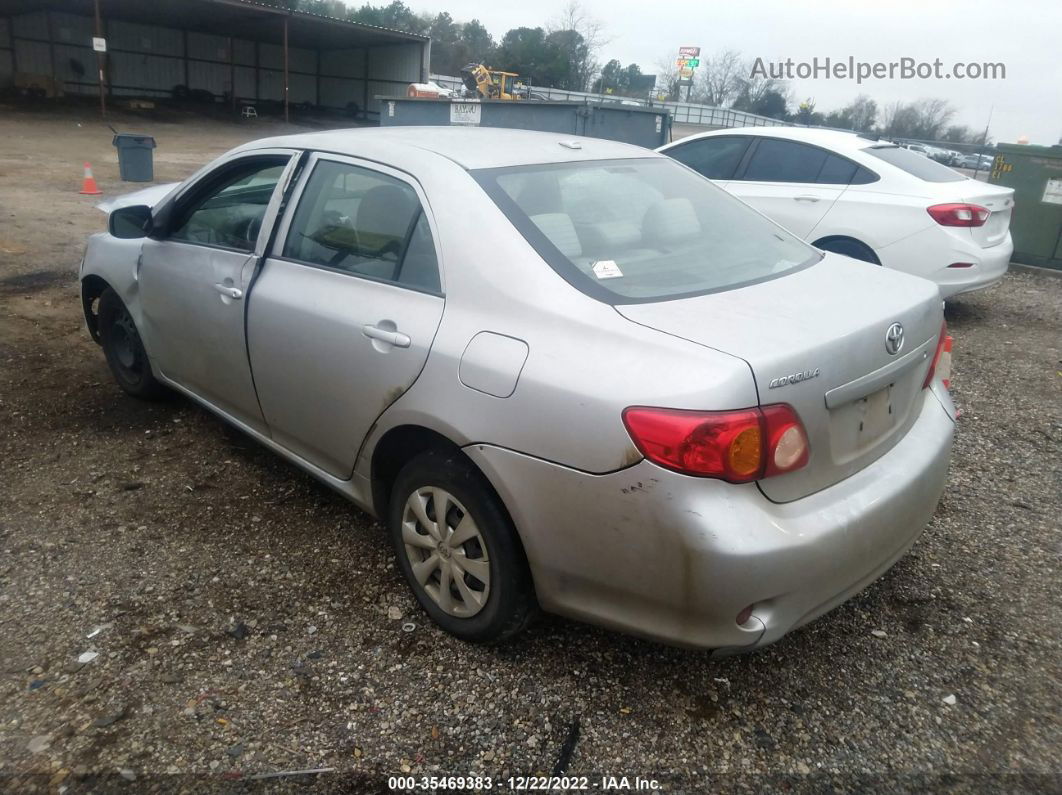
(816, 339)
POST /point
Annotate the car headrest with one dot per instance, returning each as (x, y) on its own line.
(670, 221)
(560, 230)
(384, 213)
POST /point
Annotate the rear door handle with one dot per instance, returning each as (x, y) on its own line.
(235, 293)
(396, 338)
(805, 198)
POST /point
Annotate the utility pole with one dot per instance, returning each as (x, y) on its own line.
(984, 141)
(99, 62)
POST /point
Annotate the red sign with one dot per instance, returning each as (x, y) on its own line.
(690, 52)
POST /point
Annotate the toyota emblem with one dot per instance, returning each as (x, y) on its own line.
(894, 339)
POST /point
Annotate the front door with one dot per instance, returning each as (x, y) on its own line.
(344, 311)
(193, 282)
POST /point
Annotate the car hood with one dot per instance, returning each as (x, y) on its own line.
(150, 196)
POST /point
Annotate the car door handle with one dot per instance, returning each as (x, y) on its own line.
(805, 198)
(235, 293)
(396, 338)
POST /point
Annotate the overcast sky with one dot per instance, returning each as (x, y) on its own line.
(1022, 34)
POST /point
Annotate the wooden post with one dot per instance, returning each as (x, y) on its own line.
(99, 63)
(286, 116)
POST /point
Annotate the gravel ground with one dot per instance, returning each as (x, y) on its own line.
(246, 620)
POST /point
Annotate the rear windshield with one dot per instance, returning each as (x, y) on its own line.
(629, 231)
(915, 164)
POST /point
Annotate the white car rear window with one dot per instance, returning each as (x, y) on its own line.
(626, 231)
(914, 164)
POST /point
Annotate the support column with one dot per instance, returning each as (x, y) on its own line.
(287, 118)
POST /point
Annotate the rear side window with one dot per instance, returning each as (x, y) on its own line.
(836, 171)
(630, 231)
(914, 164)
(365, 223)
(784, 161)
(715, 158)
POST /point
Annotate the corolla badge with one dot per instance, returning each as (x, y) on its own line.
(793, 378)
(894, 339)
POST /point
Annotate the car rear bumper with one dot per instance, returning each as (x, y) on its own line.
(676, 558)
(930, 253)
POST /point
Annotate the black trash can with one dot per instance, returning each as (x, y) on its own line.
(135, 158)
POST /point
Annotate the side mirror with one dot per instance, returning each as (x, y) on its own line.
(131, 222)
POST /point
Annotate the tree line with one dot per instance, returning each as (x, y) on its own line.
(564, 54)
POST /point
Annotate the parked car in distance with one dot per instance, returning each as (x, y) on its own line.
(922, 150)
(868, 199)
(564, 372)
(977, 161)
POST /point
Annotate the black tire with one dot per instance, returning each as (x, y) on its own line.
(850, 248)
(510, 602)
(124, 350)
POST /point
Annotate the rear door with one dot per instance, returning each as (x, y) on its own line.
(194, 277)
(781, 179)
(345, 310)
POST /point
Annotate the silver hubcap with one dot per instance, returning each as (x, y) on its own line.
(446, 551)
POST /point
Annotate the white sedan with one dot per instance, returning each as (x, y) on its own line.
(868, 199)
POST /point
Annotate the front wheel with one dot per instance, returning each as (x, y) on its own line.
(125, 352)
(458, 550)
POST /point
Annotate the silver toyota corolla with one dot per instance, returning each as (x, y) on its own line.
(567, 373)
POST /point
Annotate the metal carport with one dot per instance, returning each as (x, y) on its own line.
(237, 50)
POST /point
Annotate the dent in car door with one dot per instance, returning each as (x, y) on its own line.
(345, 311)
(780, 180)
(193, 281)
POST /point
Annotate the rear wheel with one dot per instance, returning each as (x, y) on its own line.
(458, 549)
(850, 248)
(124, 351)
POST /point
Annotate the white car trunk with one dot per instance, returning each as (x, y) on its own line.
(997, 199)
(815, 339)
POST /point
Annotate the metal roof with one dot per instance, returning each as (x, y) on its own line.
(239, 18)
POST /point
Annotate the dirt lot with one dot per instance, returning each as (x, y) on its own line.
(249, 621)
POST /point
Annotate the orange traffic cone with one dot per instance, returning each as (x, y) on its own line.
(88, 184)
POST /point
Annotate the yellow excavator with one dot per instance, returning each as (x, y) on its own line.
(492, 84)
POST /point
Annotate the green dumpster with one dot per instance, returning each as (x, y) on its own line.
(1035, 174)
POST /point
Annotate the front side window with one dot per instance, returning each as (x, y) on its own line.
(715, 158)
(628, 231)
(363, 222)
(784, 161)
(228, 210)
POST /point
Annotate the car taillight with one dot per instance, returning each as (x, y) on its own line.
(736, 446)
(941, 359)
(959, 214)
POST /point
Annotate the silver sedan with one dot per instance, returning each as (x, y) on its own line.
(567, 373)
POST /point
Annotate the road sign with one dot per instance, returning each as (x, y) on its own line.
(99, 45)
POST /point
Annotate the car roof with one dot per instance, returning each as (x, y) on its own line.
(469, 147)
(837, 140)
